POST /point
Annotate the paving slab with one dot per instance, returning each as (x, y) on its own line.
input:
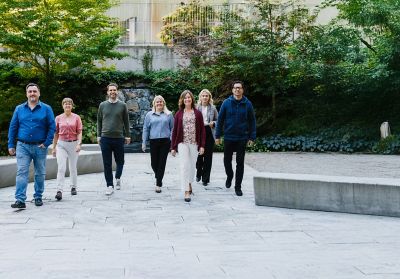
(136, 233)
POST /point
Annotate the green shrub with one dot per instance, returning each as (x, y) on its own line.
(388, 145)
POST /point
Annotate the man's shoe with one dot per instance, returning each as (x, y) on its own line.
(198, 179)
(73, 191)
(38, 202)
(238, 192)
(118, 185)
(205, 183)
(18, 204)
(228, 183)
(158, 189)
(110, 190)
(59, 196)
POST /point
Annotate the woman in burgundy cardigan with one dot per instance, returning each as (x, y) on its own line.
(188, 138)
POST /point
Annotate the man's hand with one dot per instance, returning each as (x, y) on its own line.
(250, 143)
(11, 151)
(127, 140)
(217, 141)
(98, 140)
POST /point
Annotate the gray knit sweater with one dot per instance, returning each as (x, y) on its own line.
(113, 120)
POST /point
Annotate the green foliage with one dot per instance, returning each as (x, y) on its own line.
(388, 145)
(89, 122)
(52, 36)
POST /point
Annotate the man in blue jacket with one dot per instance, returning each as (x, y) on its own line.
(237, 120)
(31, 131)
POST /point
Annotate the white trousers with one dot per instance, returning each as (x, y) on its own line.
(66, 150)
(187, 158)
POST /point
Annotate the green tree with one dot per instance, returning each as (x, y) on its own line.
(56, 35)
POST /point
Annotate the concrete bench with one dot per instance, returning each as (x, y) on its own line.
(376, 196)
(88, 162)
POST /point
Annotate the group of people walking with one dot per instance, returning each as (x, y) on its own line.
(191, 133)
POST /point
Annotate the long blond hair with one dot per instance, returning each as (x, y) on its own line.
(210, 100)
(165, 109)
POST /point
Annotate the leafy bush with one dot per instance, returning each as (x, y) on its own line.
(388, 145)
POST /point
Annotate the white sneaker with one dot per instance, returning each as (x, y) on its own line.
(118, 185)
(109, 190)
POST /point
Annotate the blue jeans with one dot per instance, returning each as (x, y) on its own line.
(25, 154)
(108, 146)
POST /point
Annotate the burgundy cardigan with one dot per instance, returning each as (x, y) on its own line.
(177, 132)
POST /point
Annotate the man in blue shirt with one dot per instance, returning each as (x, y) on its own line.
(31, 131)
(237, 120)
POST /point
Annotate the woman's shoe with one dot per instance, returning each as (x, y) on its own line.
(187, 196)
(158, 189)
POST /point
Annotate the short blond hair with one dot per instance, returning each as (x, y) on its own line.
(67, 100)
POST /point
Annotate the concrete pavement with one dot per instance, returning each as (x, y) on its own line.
(137, 233)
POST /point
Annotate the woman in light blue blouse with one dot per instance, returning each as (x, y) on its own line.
(157, 128)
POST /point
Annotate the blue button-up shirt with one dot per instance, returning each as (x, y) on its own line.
(32, 125)
(157, 125)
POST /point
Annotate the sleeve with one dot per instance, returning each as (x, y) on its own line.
(51, 127)
(99, 121)
(174, 133)
(215, 114)
(252, 122)
(126, 122)
(171, 124)
(146, 128)
(220, 121)
(202, 130)
(13, 129)
(79, 126)
(57, 125)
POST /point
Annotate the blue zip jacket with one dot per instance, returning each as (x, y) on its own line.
(237, 120)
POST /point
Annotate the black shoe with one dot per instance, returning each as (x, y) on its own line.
(73, 191)
(238, 192)
(198, 179)
(38, 202)
(187, 199)
(205, 183)
(18, 204)
(228, 183)
(59, 196)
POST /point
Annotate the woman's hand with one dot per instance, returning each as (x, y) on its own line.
(201, 151)
(173, 152)
(53, 152)
(78, 147)
(143, 147)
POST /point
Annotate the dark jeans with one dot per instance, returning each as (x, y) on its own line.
(239, 147)
(204, 162)
(159, 149)
(108, 146)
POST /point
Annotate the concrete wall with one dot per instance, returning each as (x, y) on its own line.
(376, 196)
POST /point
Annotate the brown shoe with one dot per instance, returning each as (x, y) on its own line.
(187, 196)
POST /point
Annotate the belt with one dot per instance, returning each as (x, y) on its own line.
(69, 140)
(31, 142)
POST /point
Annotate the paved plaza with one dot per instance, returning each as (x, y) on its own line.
(136, 233)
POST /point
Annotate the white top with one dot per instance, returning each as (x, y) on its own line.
(204, 112)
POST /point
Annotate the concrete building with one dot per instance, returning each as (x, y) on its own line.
(141, 21)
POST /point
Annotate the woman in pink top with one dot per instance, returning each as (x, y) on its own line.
(66, 145)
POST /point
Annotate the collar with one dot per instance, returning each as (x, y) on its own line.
(113, 102)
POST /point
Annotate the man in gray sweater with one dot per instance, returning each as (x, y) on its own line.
(112, 133)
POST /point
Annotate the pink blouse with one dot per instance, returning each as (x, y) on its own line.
(68, 128)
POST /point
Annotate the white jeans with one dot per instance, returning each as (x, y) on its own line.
(66, 150)
(187, 158)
